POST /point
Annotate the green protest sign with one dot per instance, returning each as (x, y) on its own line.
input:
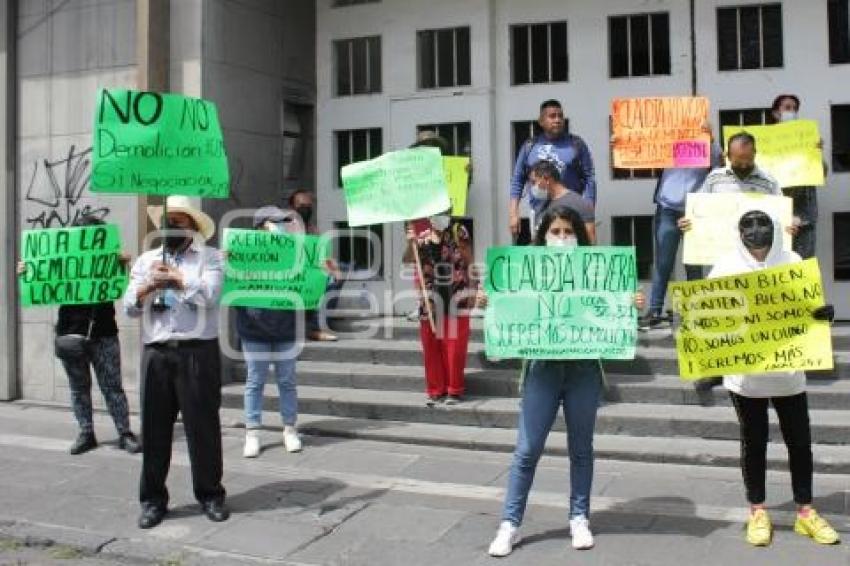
(399, 185)
(274, 271)
(72, 266)
(561, 303)
(160, 144)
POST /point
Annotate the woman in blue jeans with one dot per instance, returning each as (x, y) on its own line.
(270, 338)
(548, 384)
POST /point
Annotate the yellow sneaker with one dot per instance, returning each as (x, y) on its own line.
(815, 527)
(759, 528)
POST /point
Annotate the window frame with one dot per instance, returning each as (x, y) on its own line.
(343, 231)
(738, 40)
(455, 140)
(370, 72)
(840, 144)
(629, 48)
(350, 133)
(529, 53)
(420, 65)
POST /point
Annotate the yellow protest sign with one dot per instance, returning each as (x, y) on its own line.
(788, 151)
(660, 132)
(456, 170)
(714, 222)
(755, 322)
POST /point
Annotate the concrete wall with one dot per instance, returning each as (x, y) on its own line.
(491, 103)
(67, 51)
(258, 55)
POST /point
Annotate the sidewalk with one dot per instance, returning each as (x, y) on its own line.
(357, 502)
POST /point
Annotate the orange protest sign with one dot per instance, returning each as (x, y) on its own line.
(659, 133)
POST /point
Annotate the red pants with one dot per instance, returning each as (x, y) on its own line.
(445, 356)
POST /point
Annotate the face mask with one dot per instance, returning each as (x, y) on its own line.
(305, 212)
(757, 232)
(176, 238)
(440, 222)
(787, 116)
(565, 242)
(742, 172)
(539, 192)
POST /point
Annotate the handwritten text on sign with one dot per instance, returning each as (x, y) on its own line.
(72, 266)
(275, 271)
(560, 303)
(162, 144)
(788, 151)
(399, 185)
(752, 323)
(714, 222)
(659, 133)
(457, 180)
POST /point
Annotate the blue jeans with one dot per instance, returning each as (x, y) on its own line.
(577, 385)
(259, 356)
(667, 239)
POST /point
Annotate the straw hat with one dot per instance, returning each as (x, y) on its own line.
(180, 203)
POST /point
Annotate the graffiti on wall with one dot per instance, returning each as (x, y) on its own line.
(55, 188)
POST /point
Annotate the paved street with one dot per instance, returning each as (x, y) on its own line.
(358, 502)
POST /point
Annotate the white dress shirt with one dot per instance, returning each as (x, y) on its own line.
(194, 312)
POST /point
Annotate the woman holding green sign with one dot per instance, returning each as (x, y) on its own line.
(547, 385)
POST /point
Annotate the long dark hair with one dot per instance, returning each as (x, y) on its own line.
(564, 213)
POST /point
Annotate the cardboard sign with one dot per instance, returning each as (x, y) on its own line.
(752, 323)
(457, 180)
(788, 151)
(72, 266)
(399, 185)
(660, 133)
(160, 144)
(714, 222)
(561, 303)
(274, 271)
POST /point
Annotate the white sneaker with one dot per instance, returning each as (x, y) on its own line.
(252, 444)
(506, 538)
(291, 440)
(580, 531)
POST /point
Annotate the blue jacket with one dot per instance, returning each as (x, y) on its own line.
(568, 153)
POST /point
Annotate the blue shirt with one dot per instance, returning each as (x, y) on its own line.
(675, 183)
(570, 156)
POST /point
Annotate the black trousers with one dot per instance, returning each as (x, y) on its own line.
(181, 377)
(793, 413)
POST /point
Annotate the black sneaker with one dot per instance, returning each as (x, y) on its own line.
(129, 442)
(434, 399)
(651, 322)
(85, 441)
(453, 399)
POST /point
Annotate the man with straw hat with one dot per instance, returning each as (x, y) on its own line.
(175, 289)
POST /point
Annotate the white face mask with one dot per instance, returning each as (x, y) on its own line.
(565, 242)
(787, 116)
(440, 221)
(539, 192)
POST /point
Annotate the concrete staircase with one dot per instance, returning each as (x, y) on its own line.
(370, 385)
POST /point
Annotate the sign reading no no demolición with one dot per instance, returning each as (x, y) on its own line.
(160, 144)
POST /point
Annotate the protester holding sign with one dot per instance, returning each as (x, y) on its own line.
(86, 338)
(176, 291)
(568, 152)
(269, 336)
(760, 247)
(785, 108)
(547, 385)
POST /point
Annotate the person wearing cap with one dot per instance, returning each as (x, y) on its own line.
(175, 290)
(270, 336)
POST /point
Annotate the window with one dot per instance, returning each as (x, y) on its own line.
(356, 145)
(444, 57)
(358, 65)
(341, 3)
(459, 136)
(539, 53)
(358, 250)
(749, 37)
(297, 122)
(840, 117)
(839, 31)
(743, 117)
(522, 131)
(635, 231)
(639, 45)
(840, 249)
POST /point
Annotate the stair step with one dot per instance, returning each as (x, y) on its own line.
(827, 459)
(632, 419)
(659, 389)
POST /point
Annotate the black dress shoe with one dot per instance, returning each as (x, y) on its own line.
(129, 443)
(85, 441)
(151, 516)
(216, 511)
